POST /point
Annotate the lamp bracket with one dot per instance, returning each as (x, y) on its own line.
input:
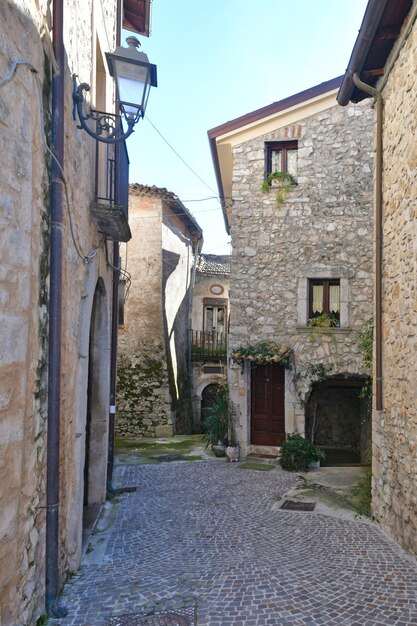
(107, 127)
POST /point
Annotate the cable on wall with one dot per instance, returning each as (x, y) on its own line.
(86, 258)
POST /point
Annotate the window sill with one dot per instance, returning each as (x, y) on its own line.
(324, 331)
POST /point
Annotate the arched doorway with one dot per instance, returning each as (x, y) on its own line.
(96, 425)
(338, 420)
(207, 396)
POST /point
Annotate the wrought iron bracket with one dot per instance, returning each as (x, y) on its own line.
(107, 127)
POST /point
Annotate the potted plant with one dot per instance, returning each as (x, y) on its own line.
(282, 181)
(220, 432)
(217, 422)
(298, 454)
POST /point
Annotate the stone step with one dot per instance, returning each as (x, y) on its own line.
(267, 459)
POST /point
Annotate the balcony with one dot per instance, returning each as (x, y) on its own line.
(110, 209)
(207, 346)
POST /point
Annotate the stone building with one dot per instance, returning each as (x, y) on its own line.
(56, 290)
(209, 330)
(388, 66)
(154, 397)
(297, 186)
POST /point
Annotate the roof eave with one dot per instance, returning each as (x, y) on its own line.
(370, 23)
(217, 173)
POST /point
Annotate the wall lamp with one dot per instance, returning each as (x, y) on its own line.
(134, 77)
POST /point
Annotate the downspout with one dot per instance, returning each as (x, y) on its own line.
(55, 317)
(115, 312)
(378, 236)
(190, 309)
(113, 365)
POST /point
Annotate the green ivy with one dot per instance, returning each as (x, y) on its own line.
(285, 180)
(366, 344)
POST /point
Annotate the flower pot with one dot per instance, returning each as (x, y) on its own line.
(314, 465)
(218, 450)
(232, 453)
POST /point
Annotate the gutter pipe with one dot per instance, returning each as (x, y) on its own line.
(196, 246)
(378, 236)
(370, 23)
(115, 313)
(55, 318)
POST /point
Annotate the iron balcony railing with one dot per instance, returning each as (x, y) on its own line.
(207, 345)
(110, 209)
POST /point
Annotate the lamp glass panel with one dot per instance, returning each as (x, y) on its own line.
(132, 83)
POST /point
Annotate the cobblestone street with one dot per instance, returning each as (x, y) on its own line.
(209, 538)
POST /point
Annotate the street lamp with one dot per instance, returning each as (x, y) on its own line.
(134, 77)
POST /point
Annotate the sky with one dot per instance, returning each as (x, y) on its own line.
(218, 60)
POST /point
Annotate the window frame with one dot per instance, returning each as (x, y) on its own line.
(283, 146)
(326, 283)
(219, 303)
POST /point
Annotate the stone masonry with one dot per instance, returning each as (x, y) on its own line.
(25, 33)
(323, 229)
(395, 428)
(154, 399)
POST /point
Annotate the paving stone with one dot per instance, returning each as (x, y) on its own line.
(208, 536)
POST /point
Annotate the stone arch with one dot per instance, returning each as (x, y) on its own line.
(337, 418)
(97, 413)
(94, 313)
(204, 380)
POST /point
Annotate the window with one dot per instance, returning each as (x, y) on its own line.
(215, 316)
(324, 300)
(282, 156)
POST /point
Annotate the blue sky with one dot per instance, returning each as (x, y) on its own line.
(218, 60)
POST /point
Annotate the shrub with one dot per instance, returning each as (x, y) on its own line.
(297, 453)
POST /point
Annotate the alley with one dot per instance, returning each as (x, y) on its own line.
(208, 539)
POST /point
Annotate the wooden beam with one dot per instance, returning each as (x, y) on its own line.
(376, 72)
(388, 33)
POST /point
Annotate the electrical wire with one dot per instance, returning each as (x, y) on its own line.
(125, 276)
(180, 157)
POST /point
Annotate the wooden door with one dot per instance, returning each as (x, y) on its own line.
(268, 409)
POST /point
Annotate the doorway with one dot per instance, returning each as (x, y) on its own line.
(96, 422)
(338, 420)
(207, 396)
(267, 405)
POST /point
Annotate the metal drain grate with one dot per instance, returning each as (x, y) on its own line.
(297, 505)
(179, 617)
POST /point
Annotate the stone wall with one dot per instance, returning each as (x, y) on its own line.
(154, 398)
(395, 428)
(323, 229)
(23, 317)
(24, 207)
(143, 396)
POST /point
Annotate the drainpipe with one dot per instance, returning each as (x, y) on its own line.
(196, 247)
(115, 315)
(190, 303)
(378, 236)
(55, 316)
(113, 366)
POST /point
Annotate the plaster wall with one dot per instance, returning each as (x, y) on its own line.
(322, 229)
(177, 259)
(395, 428)
(203, 282)
(200, 378)
(24, 268)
